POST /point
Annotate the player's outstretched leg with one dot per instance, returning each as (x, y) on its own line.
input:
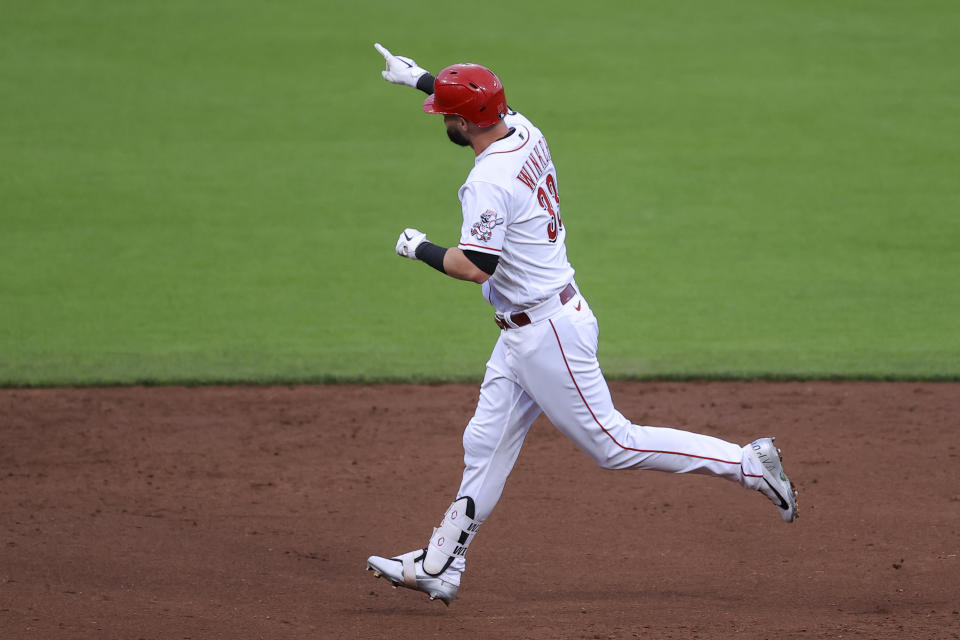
(434, 570)
(775, 484)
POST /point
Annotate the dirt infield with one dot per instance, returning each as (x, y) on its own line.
(248, 512)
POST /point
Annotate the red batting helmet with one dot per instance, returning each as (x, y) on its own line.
(468, 90)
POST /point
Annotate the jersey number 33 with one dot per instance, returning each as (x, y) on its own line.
(550, 202)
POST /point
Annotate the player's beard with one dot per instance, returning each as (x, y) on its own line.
(457, 138)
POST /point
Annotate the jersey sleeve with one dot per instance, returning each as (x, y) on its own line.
(484, 217)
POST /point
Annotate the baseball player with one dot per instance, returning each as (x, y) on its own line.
(512, 243)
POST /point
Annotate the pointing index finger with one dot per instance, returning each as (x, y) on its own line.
(383, 50)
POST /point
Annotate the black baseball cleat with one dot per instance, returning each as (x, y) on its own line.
(776, 485)
(407, 571)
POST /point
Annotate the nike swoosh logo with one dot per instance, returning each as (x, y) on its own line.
(783, 503)
(578, 305)
(405, 235)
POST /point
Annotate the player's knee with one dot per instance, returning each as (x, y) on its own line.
(612, 464)
(605, 463)
(474, 444)
(610, 459)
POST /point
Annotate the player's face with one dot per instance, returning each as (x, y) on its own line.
(456, 130)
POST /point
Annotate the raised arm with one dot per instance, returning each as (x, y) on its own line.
(472, 266)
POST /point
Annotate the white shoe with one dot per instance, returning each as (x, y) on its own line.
(407, 571)
(776, 485)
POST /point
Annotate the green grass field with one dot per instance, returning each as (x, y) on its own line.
(202, 192)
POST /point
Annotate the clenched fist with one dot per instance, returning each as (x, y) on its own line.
(408, 242)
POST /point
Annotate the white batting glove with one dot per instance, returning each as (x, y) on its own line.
(400, 69)
(408, 242)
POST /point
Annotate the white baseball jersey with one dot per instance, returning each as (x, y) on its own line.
(511, 209)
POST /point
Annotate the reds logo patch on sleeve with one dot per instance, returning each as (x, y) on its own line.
(483, 230)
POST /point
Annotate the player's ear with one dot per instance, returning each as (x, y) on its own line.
(471, 128)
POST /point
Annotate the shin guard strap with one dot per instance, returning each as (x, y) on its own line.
(409, 569)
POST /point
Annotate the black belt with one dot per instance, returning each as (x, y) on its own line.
(521, 319)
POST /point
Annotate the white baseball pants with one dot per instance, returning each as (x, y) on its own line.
(551, 366)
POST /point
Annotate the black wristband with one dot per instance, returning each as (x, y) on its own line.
(431, 254)
(425, 83)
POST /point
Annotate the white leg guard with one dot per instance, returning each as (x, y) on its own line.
(451, 539)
